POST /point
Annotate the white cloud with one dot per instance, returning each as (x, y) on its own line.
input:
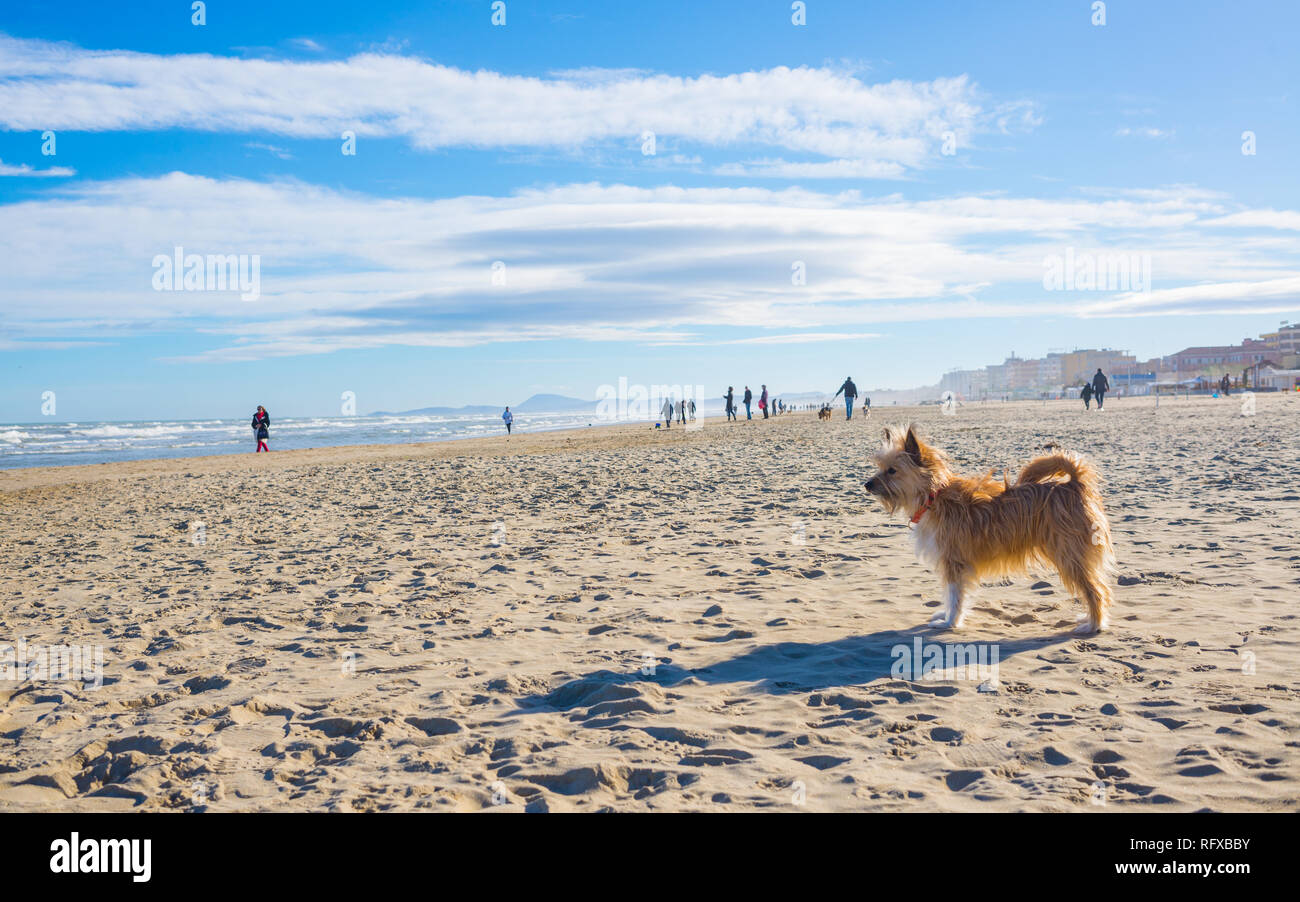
(798, 338)
(603, 262)
(1260, 219)
(281, 152)
(1016, 116)
(1146, 132)
(835, 169)
(875, 130)
(25, 170)
(1265, 296)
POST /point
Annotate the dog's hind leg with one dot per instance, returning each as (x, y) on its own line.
(1090, 588)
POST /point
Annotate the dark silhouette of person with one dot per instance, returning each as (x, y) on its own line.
(850, 395)
(1100, 385)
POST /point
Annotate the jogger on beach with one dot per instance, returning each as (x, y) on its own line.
(508, 418)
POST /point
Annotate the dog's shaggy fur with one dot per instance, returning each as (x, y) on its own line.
(970, 529)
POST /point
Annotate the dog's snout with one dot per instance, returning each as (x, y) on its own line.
(870, 484)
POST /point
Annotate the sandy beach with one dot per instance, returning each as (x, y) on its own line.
(628, 619)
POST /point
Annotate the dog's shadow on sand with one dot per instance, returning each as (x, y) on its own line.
(780, 668)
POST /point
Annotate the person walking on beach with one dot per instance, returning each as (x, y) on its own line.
(762, 402)
(1086, 394)
(1100, 385)
(667, 412)
(508, 418)
(730, 398)
(681, 411)
(692, 408)
(261, 429)
(749, 396)
(850, 395)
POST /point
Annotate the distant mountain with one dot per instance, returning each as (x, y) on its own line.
(554, 404)
(535, 404)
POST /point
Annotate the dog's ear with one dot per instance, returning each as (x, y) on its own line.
(912, 446)
(889, 435)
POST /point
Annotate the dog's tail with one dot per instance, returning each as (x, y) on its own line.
(1064, 464)
(1082, 474)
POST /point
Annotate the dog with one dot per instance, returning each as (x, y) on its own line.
(824, 413)
(969, 529)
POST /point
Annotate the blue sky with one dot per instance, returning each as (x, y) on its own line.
(774, 145)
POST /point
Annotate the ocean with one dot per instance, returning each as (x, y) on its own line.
(48, 444)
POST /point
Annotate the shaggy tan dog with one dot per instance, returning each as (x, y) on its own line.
(969, 529)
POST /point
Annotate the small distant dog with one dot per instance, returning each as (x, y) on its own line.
(824, 413)
(970, 529)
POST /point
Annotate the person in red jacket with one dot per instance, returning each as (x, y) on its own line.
(261, 428)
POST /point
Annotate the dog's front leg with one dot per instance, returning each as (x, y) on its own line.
(956, 579)
(954, 609)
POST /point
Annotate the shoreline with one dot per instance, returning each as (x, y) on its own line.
(141, 460)
(541, 441)
(20, 478)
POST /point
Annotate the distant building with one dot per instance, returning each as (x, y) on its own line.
(966, 384)
(1062, 371)
(997, 374)
(1285, 341)
(1079, 366)
(1280, 379)
(1214, 358)
(1022, 375)
(1050, 371)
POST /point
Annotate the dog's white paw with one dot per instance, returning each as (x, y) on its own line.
(939, 622)
(1086, 627)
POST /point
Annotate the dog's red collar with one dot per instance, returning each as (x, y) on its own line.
(929, 500)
